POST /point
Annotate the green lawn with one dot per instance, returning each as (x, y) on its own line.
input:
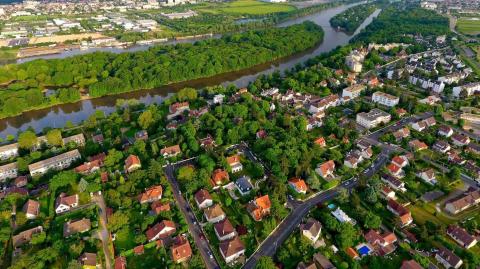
(470, 26)
(249, 7)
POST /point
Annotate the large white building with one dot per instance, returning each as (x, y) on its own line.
(58, 162)
(373, 118)
(469, 89)
(8, 171)
(385, 99)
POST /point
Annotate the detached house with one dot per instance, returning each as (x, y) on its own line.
(171, 151)
(232, 249)
(445, 130)
(203, 199)
(181, 250)
(465, 201)
(383, 244)
(65, 203)
(401, 133)
(404, 215)
(411, 264)
(311, 230)
(428, 175)
(393, 182)
(78, 226)
(31, 209)
(441, 146)
(298, 185)
(224, 230)
(214, 214)
(244, 185)
(447, 258)
(326, 169)
(400, 161)
(88, 260)
(151, 194)
(25, 236)
(320, 142)
(460, 140)
(352, 160)
(219, 177)
(234, 163)
(132, 163)
(461, 236)
(417, 145)
(259, 208)
(161, 230)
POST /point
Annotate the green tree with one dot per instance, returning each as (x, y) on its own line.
(265, 262)
(27, 140)
(146, 119)
(54, 137)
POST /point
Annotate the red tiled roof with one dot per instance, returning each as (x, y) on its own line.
(299, 184)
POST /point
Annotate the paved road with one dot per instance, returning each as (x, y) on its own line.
(103, 232)
(193, 224)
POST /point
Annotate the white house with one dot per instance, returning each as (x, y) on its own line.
(385, 99)
(65, 203)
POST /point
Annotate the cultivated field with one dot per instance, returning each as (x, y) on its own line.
(469, 26)
(251, 7)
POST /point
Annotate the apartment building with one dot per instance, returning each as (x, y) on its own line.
(385, 99)
(373, 118)
(58, 162)
(8, 171)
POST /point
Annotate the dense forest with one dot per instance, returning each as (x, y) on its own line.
(100, 74)
(399, 24)
(350, 19)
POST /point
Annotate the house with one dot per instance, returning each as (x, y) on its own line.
(429, 100)
(428, 175)
(203, 199)
(13, 189)
(214, 213)
(400, 161)
(385, 99)
(473, 148)
(141, 135)
(232, 249)
(65, 203)
(139, 250)
(218, 99)
(441, 146)
(401, 134)
(302, 265)
(219, 177)
(367, 153)
(353, 91)
(298, 185)
(234, 163)
(77, 139)
(207, 142)
(341, 216)
(88, 260)
(98, 138)
(151, 194)
(58, 162)
(8, 171)
(31, 209)
(261, 134)
(373, 118)
(417, 145)
(163, 229)
(259, 208)
(169, 152)
(447, 258)
(326, 169)
(311, 230)
(352, 160)
(405, 217)
(461, 236)
(244, 185)
(352, 253)
(76, 226)
(395, 170)
(89, 167)
(224, 230)
(411, 264)
(455, 158)
(159, 207)
(20, 181)
(387, 193)
(393, 182)
(25, 236)
(401, 112)
(178, 108)
(460, 140)
(132, 163)
(445, 130)
(322, 262)
(383, 244)
(120, 263)
(320, 141)
(463, 202)
(181, 250)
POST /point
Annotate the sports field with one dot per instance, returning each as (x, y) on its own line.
(469, 26)
(250, 7)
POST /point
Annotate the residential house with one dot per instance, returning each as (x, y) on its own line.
(387, 193)
(151, 194)
(311, 230)
(352, 253)
(234, 163)
(159, 207)
(120, 263)
(393, 182)
(463, 202)
(400, 161)
(31, 209)
(261, 134)
(25, 236)
(302, 265)
(162, 229)
(447, 258)
(181, 250)
(224, 230)
(20, 181)
(88, 260)
(373, 118)
(58, 162)
(298, 185)
(320, 141)
(395, 170)
(429, 100)
(177, 109)
(208, 142)
(473, 148)
(259, 208)
(219, 178)
(98, 138)
(385, 99)
(139, 250)
(441, 146)
(8, 171)
(322, 262)
(132, 163)
(244, 185)
(141, 135)
(326, 169)
(410, 264)
(383, 244)
(445, 130)
(232, 249)
(401, 134)
(65, 203)
(76, 226)
(203, 199)
(404, 215)
(460, 140)
(214, 214)
(423, 124)
(461, 236)
(77, 139)
(341, 216)
(353, 91)
(455, 158)
(417, 145)
(169, 152)
(218, 99)
(352, 160)
(428, 175)
(89, 167)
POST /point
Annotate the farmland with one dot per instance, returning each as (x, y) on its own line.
(247, 7)
(469, 26)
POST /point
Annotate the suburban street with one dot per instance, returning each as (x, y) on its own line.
(193, 224)
(103, 232)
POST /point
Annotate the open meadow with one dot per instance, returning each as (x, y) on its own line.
(469, 26)
(247, 7)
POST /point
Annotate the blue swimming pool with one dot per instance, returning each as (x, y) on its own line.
(331, 206)
(364, 250)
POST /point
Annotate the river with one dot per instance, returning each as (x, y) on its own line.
(57, 116)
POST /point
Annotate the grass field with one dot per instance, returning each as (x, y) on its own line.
(248, 7)
(469, 26)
